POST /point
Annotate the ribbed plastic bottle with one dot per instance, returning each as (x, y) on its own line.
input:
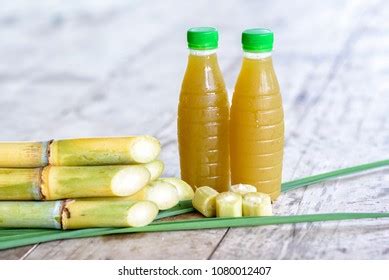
(203, 115)
(257, 119)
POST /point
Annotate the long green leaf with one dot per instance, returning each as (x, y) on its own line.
(182, 208)
(288, 186)
(193, 224)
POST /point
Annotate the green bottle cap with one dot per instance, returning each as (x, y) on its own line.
(257, 40)
(202, 38)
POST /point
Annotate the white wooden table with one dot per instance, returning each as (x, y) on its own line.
(93, 68)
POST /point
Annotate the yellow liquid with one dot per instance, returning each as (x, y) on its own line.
(257, 127)
(203, 124)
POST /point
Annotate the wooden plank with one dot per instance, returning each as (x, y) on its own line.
(132, 246)
(343, 117)
(17, 253)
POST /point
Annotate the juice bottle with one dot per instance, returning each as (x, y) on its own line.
(257, 119)
(203, 115)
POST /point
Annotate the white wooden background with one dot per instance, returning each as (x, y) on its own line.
(89, 68)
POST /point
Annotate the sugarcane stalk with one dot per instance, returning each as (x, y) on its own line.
(30, 214)
(59, 182)
(204, 201)
(20, 184)
(228, 204)
(104, 151)
(25, 183)
(155, 168)
(185, 191)
(163, 194)
(23, 154)
(91, 214)
(242, 189)
(257, 204)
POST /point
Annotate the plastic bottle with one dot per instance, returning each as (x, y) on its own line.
(257, 119)
(203, 115)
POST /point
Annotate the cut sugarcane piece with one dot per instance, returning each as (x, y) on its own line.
(204, 201)
(155, 168)
(185, 191)
(23, 154)
(257, 204)
(59, 182)
(164, 194)
(242, 189)
(89, 213)
(30, 214)
(228, 204)
(104, 151)
(20, 184)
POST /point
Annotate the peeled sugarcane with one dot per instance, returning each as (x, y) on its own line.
(228, 204)
(242, 189)
(257, 204)
(185, 191)
(20, 184)
(23, 154)
(204, 201)
(155, 168)
(60, 182)
(89, 213)
(104, 151)
(31, 214)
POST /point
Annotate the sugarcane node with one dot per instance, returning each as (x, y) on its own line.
(48, 150)
(43, 197)
(66, 212)
(61, 211)
(44, 178)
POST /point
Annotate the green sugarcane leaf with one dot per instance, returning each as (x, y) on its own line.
(192, 224)
(288, 186)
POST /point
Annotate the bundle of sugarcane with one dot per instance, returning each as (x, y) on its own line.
(94, 182)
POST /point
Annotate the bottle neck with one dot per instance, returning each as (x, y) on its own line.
(202, 52)
(256, 56)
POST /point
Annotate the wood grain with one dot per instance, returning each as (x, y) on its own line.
(116, 69)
